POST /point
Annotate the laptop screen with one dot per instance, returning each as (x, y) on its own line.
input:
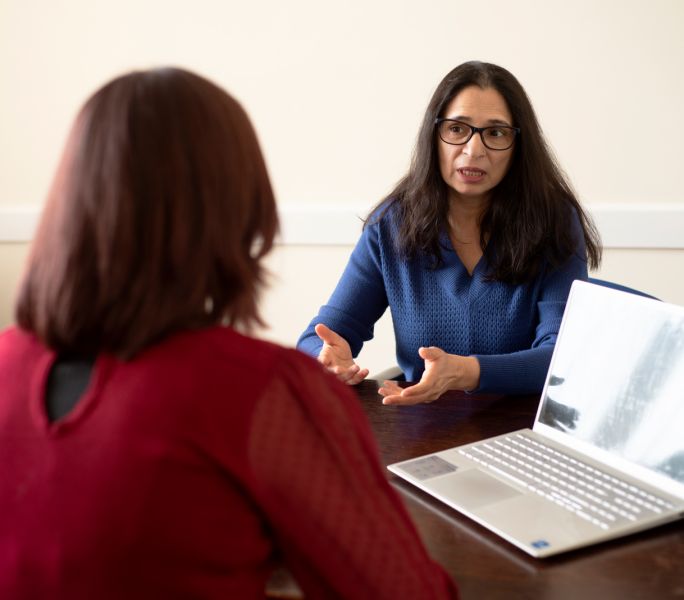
(616, 379)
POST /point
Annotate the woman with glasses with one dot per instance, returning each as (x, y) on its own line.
(474, 251)
(148, 449)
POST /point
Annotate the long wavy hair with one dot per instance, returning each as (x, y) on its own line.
(156, 222)
(529, 220)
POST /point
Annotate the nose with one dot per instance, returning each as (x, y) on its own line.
(474, 146)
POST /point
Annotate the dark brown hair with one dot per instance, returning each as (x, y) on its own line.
(529, 220)
(156, 222)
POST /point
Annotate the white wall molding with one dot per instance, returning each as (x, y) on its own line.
(18, 223)
(640, 225)
(621, 225)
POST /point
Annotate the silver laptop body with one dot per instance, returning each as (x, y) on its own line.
(605, 457)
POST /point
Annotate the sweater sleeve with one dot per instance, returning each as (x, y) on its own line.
(358, 301)
(524, 372)
(340, 527)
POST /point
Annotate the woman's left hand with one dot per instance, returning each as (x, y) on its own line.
(443, 372)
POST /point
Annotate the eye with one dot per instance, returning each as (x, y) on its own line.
(454, 132)
(498, 132)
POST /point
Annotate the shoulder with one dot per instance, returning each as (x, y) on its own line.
(9, 335)
(301, 389)
(570, 215)
(16, 341)
(575, 225)
(219, 363)
(22, 357)
(216, 353)
(381, 227)
(304, 372)
(385, 214)
(229, 353)
(309, 384)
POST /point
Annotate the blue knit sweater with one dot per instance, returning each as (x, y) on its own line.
(510, 329)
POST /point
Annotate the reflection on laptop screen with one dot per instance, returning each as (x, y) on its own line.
(621, 388)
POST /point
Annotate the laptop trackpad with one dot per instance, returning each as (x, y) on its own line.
(474, 488)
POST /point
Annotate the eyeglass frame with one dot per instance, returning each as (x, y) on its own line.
(474, 130)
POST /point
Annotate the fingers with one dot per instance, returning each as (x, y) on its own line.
(431, 353)
(358, 378)
(349, 375)
(336, 356)
(389, 388)
(328, 335)
(428, 389)
(416, 394)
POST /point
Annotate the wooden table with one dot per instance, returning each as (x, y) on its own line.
(648, 565)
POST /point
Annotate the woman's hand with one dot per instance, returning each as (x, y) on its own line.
(336, 356)
(442, 372)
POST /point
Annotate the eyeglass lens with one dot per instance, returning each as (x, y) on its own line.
(495, 137)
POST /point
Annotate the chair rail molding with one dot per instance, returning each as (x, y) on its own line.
(622, 225)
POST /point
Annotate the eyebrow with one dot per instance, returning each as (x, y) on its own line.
(490, 122)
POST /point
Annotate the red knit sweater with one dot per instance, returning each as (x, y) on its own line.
(189, 472)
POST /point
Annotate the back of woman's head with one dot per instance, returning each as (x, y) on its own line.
(157, 220)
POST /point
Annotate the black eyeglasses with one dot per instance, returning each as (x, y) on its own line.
(457, 133)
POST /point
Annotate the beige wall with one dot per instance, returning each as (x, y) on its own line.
(12, 257)
(337, 90)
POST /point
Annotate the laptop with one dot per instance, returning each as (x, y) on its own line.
(605, 457)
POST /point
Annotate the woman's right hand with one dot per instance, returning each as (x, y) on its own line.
(336, 356)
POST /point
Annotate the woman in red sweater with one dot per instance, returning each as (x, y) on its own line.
(149, 448)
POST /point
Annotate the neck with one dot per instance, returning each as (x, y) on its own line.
(465, 216)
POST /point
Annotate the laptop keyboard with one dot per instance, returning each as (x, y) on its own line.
(592, 494)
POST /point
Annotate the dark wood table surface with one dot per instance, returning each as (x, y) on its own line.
(647, 565)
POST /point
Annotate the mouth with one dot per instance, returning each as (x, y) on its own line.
(471, 172)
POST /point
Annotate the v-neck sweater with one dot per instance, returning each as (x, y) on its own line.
(510, 329)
